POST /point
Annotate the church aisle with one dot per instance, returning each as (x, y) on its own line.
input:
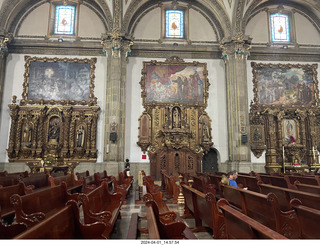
(130, 207)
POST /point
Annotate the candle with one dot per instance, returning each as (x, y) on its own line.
(284, 168)
(314, 154)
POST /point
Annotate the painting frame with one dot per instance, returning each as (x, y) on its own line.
(289, 85)
(54, 81)
(174, 82)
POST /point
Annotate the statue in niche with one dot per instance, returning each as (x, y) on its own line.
(54, 130)
(205, 133)
(257, 135)
(176, 118)
(26, 136)
(80, 136)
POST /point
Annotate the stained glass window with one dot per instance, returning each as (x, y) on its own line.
(174, 24)
(64, 20)
(280, 31)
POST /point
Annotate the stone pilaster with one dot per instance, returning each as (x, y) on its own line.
(5, 39)
(117, 47)
(235, 51)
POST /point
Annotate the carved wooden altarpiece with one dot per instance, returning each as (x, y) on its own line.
(174, 129)
(55, 125)
(284, 116)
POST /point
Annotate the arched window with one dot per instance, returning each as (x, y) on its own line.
(64, 20)
(281, 26)
(174, 24)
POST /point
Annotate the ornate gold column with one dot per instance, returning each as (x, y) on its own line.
(5, 39)
(117, 47)
(235, 51)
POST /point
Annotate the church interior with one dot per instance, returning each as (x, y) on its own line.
(186, 91)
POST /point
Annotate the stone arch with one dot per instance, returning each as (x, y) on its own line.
(217, 17)
(256, 7)
(14, 11)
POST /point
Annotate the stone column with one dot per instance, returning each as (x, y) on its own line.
(5, 39)
(235, 51)
(117, 47)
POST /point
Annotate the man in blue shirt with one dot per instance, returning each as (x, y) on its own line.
(232, 176)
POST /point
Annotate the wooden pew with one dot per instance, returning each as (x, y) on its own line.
(215, 182)
(35, 207)
(64, 224)
(37, 181)
(307, 188)
(241, 226)
(285, 195)
(250, 182)
(100, 205)
(204, 209)
(6, 208)
(172, 189)
(275, 180)
(88, 184)
(10, 231)
(266, 210)
(308, 219)
(73, 185)
(81, 175)
(116, 188)
(157, 229)
(309, 180)
(200, 183)
(9, 180)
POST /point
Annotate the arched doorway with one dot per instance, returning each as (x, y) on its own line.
(210, 161)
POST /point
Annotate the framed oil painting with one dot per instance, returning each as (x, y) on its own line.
(289, 131)
(58, 81)
(285, 84)
(174, 81)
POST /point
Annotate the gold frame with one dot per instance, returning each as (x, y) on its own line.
(92, 100)
(312, 67)
(175, 61)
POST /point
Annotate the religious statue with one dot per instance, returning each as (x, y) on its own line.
(54, 130)
(26, 136)
(80, 136)
(176, 118)
(205, 132)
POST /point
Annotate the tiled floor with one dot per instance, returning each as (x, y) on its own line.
(122, 225)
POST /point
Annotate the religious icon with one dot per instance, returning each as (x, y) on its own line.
(80, 136)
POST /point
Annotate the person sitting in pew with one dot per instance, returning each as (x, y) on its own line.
(232, 176)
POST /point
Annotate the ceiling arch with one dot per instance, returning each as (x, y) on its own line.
(12, 12)
(217, 17)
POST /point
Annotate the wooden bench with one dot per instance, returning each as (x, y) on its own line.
(35, 207)
(285, 195)
(157, 229)
(73, 185)
(200, 183)
(215, 180)
(250, 182)
(266, 210)
(308, 219)
(203, 209)
(9, 180)
(88, 183)
(171, 187)
(241, 226)
(275, 180)
(81, 175)
(309, 180)
(100, 205)
(7, 212)
(10, 231)
(64, 224)
(37, 181)
(307, 188)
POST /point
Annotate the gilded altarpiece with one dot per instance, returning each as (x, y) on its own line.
(174, 129)
(55, 126)
(284, 116)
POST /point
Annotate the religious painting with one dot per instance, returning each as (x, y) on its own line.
(257, 133)
(58, 81)
(285, 84)
(175, 82)
(290, 131)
